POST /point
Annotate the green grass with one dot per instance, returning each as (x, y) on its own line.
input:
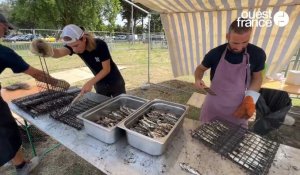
(296, 101)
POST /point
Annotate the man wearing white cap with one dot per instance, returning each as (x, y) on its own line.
(10, 139)
(94, 52)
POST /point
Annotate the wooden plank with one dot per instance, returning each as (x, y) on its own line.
(196, 100)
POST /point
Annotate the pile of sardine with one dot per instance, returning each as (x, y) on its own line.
(51, 105)
(44, 102)
(155, 123)
(111, 118)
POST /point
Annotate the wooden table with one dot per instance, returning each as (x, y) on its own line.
(281, 85)
(8, 95)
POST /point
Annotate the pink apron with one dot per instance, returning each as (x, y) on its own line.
(229, 85)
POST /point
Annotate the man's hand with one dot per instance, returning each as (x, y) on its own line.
(41, 48)
(199, 72)
(200, 84)
(246, 108)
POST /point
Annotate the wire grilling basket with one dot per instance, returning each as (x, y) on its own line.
(68, 114)
(250, 151)
(52, 96)
(44, 102)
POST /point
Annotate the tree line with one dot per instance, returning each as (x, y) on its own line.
(94, 15)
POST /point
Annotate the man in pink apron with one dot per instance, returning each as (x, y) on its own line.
(236, 77)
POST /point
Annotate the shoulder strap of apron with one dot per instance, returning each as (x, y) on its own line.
(248, 76)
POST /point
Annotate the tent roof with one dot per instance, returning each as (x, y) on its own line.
(194, 27)
(186, 6)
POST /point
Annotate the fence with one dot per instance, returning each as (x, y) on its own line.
(113, 39)
(117, 42)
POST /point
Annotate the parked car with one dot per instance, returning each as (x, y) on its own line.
(132, 37)
(50, 39)
(7, 38)
(158, 37)
(120, 37)
(21, 37)
(13, 39)
(30, 37)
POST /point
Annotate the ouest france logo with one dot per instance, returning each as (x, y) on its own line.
(262, 19)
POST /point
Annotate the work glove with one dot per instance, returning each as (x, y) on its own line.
(61, 84)
(41, 48)
(247, 108)
(56, 84)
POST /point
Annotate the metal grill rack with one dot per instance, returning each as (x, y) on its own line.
(215, 134)
(46, 83)
(45, 102)
(250, 151)
(254, 153)
(68, 115)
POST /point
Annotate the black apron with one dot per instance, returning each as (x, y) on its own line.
(110, 89)
(10, 138)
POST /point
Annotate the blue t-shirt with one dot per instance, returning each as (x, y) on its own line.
(257, 58)
(10, 59)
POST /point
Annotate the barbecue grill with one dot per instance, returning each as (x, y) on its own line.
(68, 115)
(53, 103)
(45, 102)
(250, 151)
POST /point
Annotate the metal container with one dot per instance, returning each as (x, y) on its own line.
(153, 146)
(111, 134)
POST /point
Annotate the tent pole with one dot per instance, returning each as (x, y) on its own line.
(131, 3)
(149, 40)
(132, 37)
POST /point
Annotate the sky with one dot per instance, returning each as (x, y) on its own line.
(122, 23)
(119, 20)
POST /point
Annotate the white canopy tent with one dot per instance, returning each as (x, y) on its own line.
(193, 27)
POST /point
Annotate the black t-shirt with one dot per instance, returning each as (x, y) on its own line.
(257, 58)
(94, 61)
(10, 59)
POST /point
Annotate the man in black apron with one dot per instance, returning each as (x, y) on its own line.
(10, 140)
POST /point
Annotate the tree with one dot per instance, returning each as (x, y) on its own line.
(138, 15)
(5, 8)
(155, 23)
(54, 14)
(83, 13)
(110, 10)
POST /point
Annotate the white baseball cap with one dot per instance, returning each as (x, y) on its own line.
(71, 33)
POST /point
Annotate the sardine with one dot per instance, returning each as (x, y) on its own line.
(124, 110)
(188, 168)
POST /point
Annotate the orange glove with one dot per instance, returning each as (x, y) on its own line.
(246, 108)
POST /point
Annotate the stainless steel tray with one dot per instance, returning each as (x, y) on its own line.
(153, 146)
(111, 134)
